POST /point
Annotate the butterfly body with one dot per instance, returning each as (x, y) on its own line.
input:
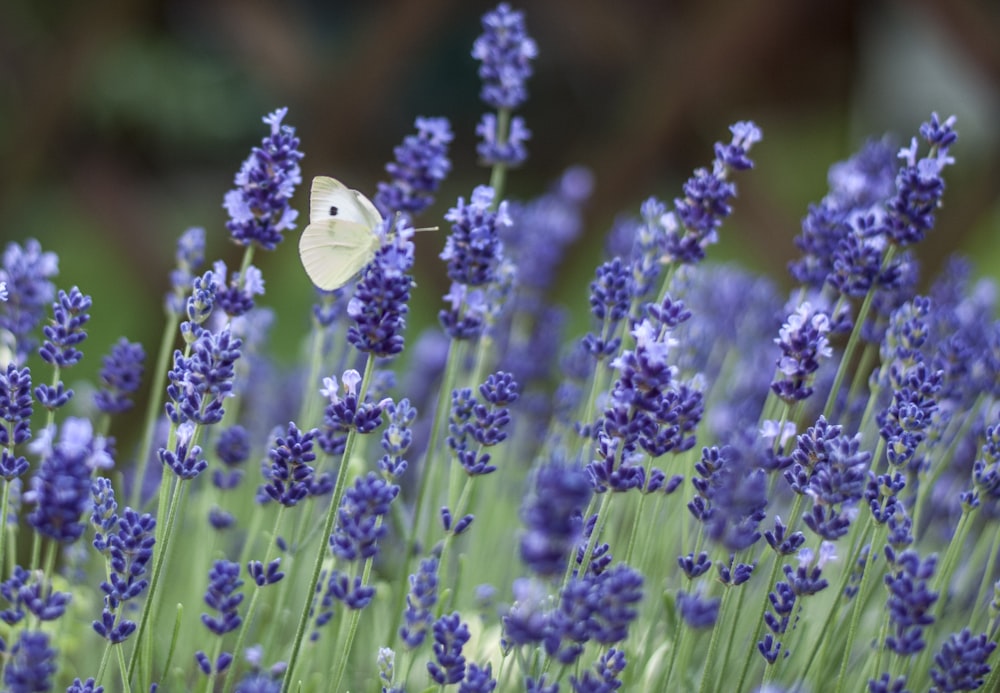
(341, 237)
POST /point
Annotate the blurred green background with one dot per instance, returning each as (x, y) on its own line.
(123, 122)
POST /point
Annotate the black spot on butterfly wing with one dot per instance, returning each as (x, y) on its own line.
(334, 211)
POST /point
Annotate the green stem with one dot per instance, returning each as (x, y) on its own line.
(328, 524)
(859, 600)
(499, 173)
(452, 367)
(707, 677)
(156, 391)
(345, 646)
(852, 341)
(229, 679)
(159, 561)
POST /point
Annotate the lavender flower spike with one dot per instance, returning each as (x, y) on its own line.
(420, 166)
(505, 52)
(258, 206)
(27, 272)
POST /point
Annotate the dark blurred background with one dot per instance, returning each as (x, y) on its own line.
(123, 122)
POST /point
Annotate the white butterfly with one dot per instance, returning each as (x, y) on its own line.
(341, 237)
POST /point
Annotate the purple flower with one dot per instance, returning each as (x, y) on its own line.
(120, 377)
(527, 621)
(610, 298)
(532, 685)
(551, 514)
(505, 52)
(130, 551)
(69, 315)
(104, 515)
(88, 686)
(190, 256)
(222, 596)
(919, 186)
(420, 600)
(60, 490)
(910, 602)
(290, 475)
(343, 413)
(498, 148)
(359, 518)
(859, 186)
(478, 679)
(603, 678)
(905, 423)
(27, 272)
(885, 684)
(380, 303)
(697, 216)
(233, 445)
(130, 543)
(804, 343)
(420, 166)
(15, 415)
(235, 296)
(397, 437)
(31, 665)
(473, 249)
(732, 494)
(697, 611)
(10, 590)
(199, 383)
(541, 229)
(450, 635)
(259, 209)
(184, 460)
(961, 665)
(30, 592)
(481, 422)
(351, 593)
(831, 468)
(265, 575)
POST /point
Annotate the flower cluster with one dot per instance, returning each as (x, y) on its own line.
(505, 52)
(853, 427)
(259, 206)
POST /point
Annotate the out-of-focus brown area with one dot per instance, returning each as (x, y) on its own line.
(123, 122)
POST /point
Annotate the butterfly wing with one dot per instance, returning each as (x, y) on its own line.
(331, 199)
(334, 250)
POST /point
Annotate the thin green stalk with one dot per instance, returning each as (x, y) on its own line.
(126, 688)
(852, 341)
(156, 390)
(307, 409)
(636, 518)
(986, 584)
(602, 518)
(942, 463)
(173, 641)
(751, 652)
(449, 538)
(859, 600)
(328, 524)
(105, 658)
(159, 561)
(498, 175)
(707, 677)
(346, 645)
(4, 502)
(229, 679)
(827, 626)
(448, 379)
(680, 642)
